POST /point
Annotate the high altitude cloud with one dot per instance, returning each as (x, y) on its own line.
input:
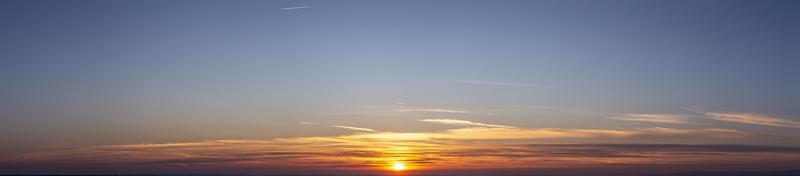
(355, 128)
(463, 123)
(479, 145)
(538, 133)
(655, 118)
(295, 8)
(757, 119)
(435, 110)
(470, 147)
(473, 147)
(708, 132)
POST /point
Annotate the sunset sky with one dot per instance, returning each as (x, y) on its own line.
(567, 87)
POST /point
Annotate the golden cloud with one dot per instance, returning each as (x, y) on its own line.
(462, 147)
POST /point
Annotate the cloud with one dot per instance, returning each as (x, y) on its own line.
(756, 119)
(295, 8)
(481, 133)
(435, 110)
(355, 128)
(457, 148)
(655, 118)
(620, 150)
(308, 123)
(484, 133)
(493, 83)
(478, 145)
(709, 132)
(463, 123)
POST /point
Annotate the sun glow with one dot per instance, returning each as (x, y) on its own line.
(398, 166)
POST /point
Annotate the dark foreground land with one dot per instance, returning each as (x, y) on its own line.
(713, 173)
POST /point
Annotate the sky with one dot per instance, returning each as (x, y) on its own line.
(573, 87)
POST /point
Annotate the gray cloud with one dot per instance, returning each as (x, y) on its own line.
(463, 123)
(756, 119)
(437, 110)
(654, 118)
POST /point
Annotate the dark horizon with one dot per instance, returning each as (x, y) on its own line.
(696, 173)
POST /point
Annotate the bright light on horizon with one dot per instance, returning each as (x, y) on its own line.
(398, 166)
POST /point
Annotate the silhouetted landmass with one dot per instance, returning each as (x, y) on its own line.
(709, 173)
(740, 173)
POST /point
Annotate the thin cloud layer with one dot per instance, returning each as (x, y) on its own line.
(708, 132)
(478, 133)
(654, 118)
(463, 123)
(295, 8)
(355, 128)
(435, 110)
(756, 119)
(457, 148)
(472, 146)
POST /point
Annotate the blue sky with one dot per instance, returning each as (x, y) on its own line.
(82, 73)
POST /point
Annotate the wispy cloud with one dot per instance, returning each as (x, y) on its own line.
(480, 133)
(655, 118)
(435, 110)
(355, 128)
(295, 8)
(456, 148)
(463, 123)
(478, 145)
(757, 119)
(308, 123)
(495, 83)
(708, 132)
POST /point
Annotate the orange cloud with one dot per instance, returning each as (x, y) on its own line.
(454, 148)
(355, 128)
(479, 145)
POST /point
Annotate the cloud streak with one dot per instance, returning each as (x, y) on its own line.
(475, 145)
(463, 123)
(435, 110)
(295, 8)
(756, 119)
(653, 118)
(708, 132)
(480, 133)
(457, 148)
(355, 128)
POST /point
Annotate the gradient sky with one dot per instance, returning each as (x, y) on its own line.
(351, 86)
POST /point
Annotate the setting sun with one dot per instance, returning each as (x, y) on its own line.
(366, 88)
(398, 166)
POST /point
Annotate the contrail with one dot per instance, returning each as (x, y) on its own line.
(355, 128)
(295, 8)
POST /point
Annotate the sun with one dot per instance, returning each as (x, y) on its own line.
(398, 166)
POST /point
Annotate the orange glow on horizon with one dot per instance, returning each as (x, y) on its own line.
(401, 154)
(398, 166)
